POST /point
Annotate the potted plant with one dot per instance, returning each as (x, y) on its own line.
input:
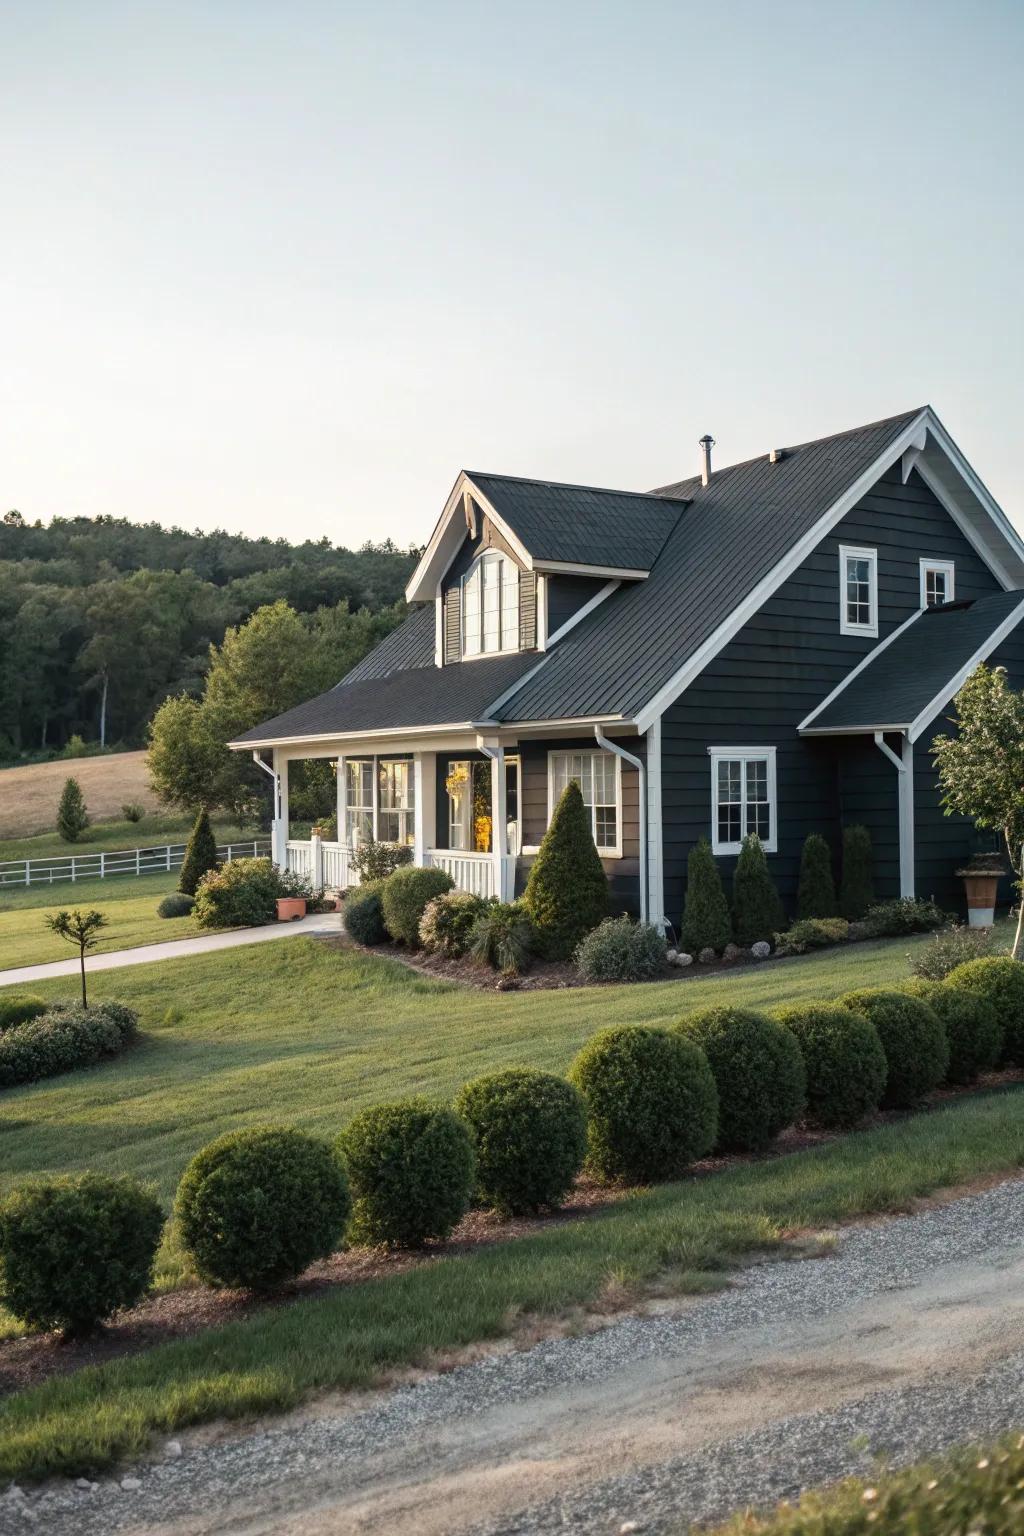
(981, 878)
(290, 908)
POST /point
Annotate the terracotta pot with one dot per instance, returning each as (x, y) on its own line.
(981, 899)
(290, 908)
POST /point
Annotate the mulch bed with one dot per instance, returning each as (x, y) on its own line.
(34, 1358)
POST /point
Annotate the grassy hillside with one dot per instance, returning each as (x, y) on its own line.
(29, 796)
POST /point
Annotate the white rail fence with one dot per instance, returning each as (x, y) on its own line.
(125, 861)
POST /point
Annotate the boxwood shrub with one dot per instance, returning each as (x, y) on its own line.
(904, 914)
(404, 897)
(844, 1061)
(758, 1070)
(621, 950)
(65, 1037)
(411, 1167)
(652, 1105)
(75, 1250)
(1000, 980)
(446, 927)
(362, 913)
(529, 1132)
(257, 1207)
(177, 904)
(19, 1009)
(973, 1030)
(914, 1041)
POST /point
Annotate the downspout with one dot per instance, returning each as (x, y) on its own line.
(275, 849)
(904, 765)
(641, 768)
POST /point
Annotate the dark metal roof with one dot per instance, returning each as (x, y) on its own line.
(581, 524)
(904, 676)
(729, 537)
(410, 645)
(418, 696)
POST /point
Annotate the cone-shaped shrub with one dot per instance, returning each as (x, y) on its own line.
(200, 855)
(758, 1071)
(72, 816)
(256, 1207)
(756, 909)
(914, 1041)
(567, 892)
(706, 921)
(816, 893)
(652, 1106)
(411, 1165)
(857, 886)
(529, 1132)
(1000, 981)
(844, 1061)
(972, 1026)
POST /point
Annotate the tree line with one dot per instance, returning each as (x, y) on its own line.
(102, 619)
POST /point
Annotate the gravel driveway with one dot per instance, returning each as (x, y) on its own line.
(911, 1334)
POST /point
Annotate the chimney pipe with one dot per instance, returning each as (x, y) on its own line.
(707, 442)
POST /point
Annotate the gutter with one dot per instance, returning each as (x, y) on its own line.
(641, 767)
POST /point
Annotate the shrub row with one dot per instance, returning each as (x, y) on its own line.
(62, 1038)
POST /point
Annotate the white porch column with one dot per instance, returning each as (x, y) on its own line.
(656, 913)
(904, 765)
(279, 834)
(499, 819)
(424, 778)
(340, 798)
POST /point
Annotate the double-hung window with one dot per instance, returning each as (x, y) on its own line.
(397, 808)
(490, 606)
(600, 780)
(937, 582)
(358, 802)
(858, 591)
(743, 797)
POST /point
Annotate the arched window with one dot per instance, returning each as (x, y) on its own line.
(490, 606)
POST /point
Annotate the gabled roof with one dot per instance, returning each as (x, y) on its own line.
(552, 527)
(903, 683)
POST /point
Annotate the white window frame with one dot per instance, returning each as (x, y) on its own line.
(744, 755)
(610, 852)
(948, 569)
(476, 572)
(853, 552)
(354, 767)
(405, 788)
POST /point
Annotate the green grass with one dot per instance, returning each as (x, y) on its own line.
(106, 836)
(679, 1237)
(129, 904)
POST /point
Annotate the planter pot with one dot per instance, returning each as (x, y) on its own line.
(981, 899)
(290, 908)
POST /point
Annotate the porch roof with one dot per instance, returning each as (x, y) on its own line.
(903, 683)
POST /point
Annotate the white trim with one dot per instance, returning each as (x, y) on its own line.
(581, 612)
(605, 853)
(904, 764)
(846, 625)
(578, 568)
(488, 557)
(978, 488)
(865, 661)
(770, 844)
(638, 763)
(791, 561)
(655, 836)
(948, 569)
(439, 624)
(963, 522)
(955, 683)
(456, 502)
(541, 619)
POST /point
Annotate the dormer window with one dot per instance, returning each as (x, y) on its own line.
(490, 606)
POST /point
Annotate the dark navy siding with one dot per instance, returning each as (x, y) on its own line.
(783, 663)
(566, 596)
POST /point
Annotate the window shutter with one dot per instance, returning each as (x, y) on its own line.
(527, 610)
(452, 625)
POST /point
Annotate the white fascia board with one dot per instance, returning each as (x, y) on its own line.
(956, 682)
(966, 526)
(447, 538)
(791, 562)
(392, 732)
(865, 661)
(855, 730)
(975, 484)
(577, 568)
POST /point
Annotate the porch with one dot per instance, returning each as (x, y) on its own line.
(328, 866)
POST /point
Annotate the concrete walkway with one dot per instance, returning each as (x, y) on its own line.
(174, 949)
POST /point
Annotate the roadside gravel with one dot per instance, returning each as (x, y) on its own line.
(449, 1424)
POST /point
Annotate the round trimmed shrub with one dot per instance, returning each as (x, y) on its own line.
(404, 897)
(177, 904)
(362, 915)
(19, 1010)
(73, 1251)
(758, 1070)
(620, 950)
(1000, 981)
(973, 1031)
(914, 1041)
(446, 927)
(257, 1207)
(529, 1132)
(844, 1061)
(652, 1105)
(411, 1166)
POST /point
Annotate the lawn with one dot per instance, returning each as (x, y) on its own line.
(153, 831)
(129, 904)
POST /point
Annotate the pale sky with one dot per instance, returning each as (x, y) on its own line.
(286, 268)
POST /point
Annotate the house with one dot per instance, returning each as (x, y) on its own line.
(768, 647)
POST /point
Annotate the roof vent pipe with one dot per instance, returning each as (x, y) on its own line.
(707, 442)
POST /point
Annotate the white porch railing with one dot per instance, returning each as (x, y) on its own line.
(300, 859)
(338, 873)
(474, 872)
(328, 866)
(325, 865)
